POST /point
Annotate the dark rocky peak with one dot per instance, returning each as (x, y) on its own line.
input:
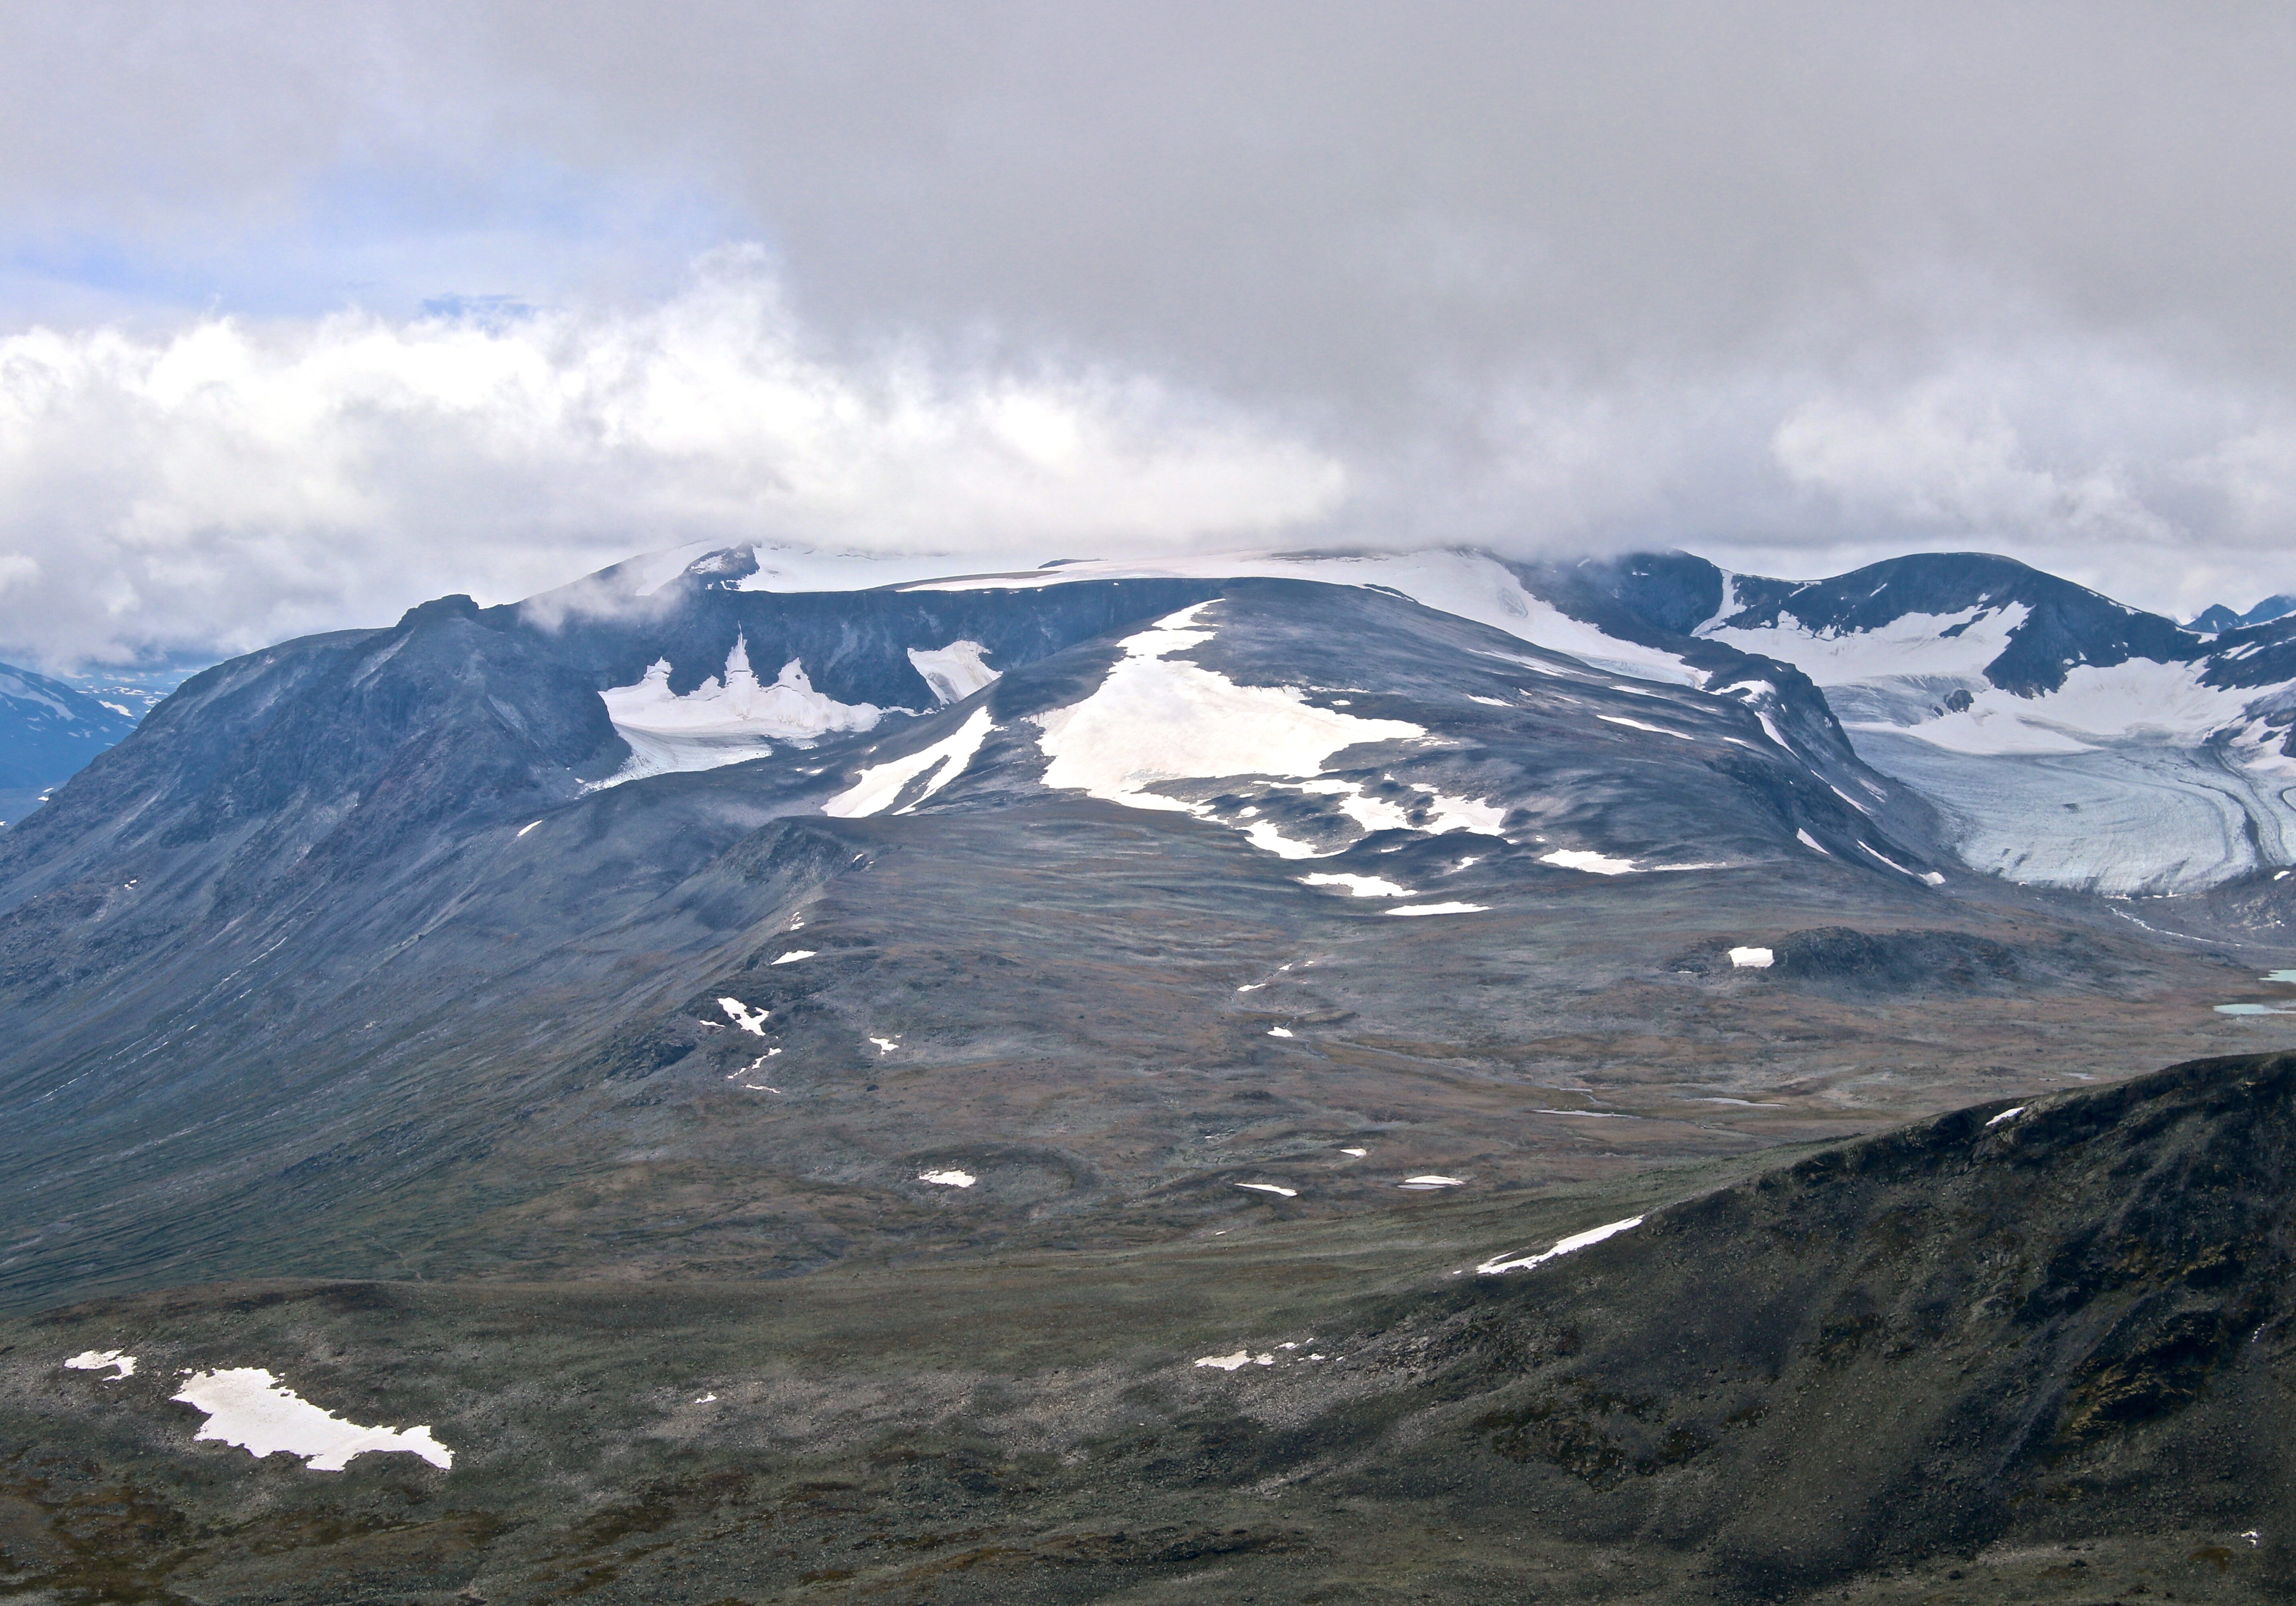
(1672, 592)
(2216, 618)
(722, 571)
(457, 607)
(2064, 624)
(333, 745)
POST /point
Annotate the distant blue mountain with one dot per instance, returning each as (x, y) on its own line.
(2218, 617)
(48, 733)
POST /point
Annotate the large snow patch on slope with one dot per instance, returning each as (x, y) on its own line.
(725, 719)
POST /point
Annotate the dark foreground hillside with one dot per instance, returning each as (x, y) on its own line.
(2045, 1355)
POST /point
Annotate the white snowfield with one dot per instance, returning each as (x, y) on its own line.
(1422, 1183)
(1588, 861)
(1913, 644)
(247, 1406)
(955, 671)
(1472, 585)
(2137, 701)
(947, 1179)
(1154, 720)
(1359, 887)
(1439, 908)
(794, 955)
(1280, 1192)
(726, 719)
(1498, 1264)
(1752, 959)
(118, 1363)
(876, 788)
(19, 690)
(2007, 1115)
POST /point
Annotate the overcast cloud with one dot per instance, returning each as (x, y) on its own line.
(1795, 286)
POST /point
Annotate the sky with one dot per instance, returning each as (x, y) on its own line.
(310, 312)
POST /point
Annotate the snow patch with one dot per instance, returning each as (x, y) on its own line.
(1593, 863)
(1359, 887)
(1154, 720)
(2007, 1115)
(1271, 1187)
(726, 719)
(2140, 701)
(873, 790)
(1241, 1358)
(1619, 719)
(1753, 958)
(947, 1179)
(247, 1406)
(752, 1021)
(795, 954)
(1912, 644)
(120, 1363)
(1422, 1183)
(1565, 1246)
(955, 671)
(1439, 908)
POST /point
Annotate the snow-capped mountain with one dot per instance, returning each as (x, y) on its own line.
(2066, 739)
(537, 855)
(696, 926)
(494, 892)
(48, 732)
(2217, 617)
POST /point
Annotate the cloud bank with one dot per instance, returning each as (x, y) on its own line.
(233, 482)
(1799, 286)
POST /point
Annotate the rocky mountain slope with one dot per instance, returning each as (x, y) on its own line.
(2038, 1350)
(402, 950)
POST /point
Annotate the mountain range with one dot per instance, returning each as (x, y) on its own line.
(564, 990)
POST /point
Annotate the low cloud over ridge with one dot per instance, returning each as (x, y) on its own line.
(1798, 285)
(233, 482)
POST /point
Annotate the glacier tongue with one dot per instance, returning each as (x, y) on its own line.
(2125, 819)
